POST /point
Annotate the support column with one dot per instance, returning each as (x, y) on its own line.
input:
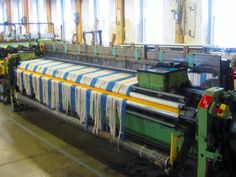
(120, 21)
(140, 37)
(180, 22)
(210, 34)
(8, 12)
(37, 7)
(79, 27)
(49, 14)
(63, 20)
(26, 15)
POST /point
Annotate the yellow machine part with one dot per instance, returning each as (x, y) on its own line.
(2, 68)
(173, 148)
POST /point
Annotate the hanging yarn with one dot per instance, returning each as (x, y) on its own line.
(55, 95)
(111, 115)
(24, 81)
(36, 86)
(103, 109)
(115, 109)
(66, 96)
(81, 103)
(95, 110)
(45, 91)
(19, 80)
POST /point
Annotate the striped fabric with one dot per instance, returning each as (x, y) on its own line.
(86, 104)
(114, 81)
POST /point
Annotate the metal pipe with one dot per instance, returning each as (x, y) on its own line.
(156, 157)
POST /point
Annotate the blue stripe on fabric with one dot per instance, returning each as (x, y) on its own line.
(41, 89)
(124, 104)
(112, 83)
(72, 99)
(45, 69)
(49, 93)
(60, 97)
(129, 90)
(103, 110)
(88, 94)
(22, 79)
(79, 77)
(65, 75)
(28, 64)
(94, 80)
(31, 84)
(35, 67)
(68, 72)
(56, 70)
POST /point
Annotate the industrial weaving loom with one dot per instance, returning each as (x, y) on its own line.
(66, 87)
(154, 111)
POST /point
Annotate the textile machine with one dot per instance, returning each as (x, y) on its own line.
(13, 52)
(144, 98)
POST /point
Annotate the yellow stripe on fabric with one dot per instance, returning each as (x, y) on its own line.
(128, 98)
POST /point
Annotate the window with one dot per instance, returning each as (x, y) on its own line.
(42, 17)
(33, 17)
(153, 21)
(2, 16)
(88, 12)
(133, 21)
(14, 11)
(69, 24)
(224, 15)
(57, 16)
(106, 19)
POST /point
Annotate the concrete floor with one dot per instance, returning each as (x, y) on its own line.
(35, 145)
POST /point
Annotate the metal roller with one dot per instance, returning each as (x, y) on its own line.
(156, 100)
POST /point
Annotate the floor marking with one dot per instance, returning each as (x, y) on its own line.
(66, 154)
